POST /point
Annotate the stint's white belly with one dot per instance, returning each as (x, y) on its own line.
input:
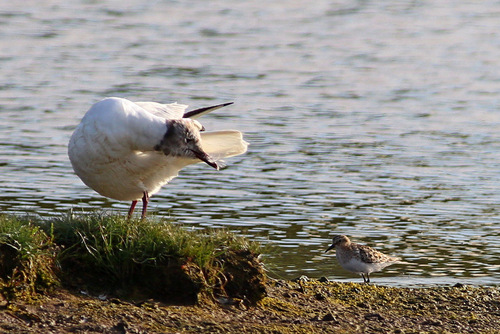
(357, 266)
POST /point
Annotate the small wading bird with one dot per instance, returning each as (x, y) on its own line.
(360, 259)
(127, 151)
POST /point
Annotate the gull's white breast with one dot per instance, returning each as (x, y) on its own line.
(112, 150)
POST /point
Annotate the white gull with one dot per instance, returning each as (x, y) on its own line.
(128, 150)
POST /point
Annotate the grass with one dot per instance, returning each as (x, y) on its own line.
(132, 258)
(27, 257)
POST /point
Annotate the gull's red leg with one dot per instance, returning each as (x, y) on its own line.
(131, 210)
(145, 200)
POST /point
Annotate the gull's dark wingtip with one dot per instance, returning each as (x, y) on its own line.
(202, 111)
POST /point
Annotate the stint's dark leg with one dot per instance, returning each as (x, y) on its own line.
(131, 210)
(367, 278)
(145, 200)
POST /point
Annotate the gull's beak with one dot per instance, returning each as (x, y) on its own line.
(331, 246)
(206, 159)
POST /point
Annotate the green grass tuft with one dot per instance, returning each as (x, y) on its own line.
(27, 257)
(116, 246)
(131, 258)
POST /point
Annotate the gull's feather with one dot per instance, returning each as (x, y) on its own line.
(167, 111)
(176, 110)
(223, 144)
(202, 111)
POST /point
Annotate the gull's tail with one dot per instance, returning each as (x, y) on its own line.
(223, 144)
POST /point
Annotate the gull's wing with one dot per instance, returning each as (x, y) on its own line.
(202, 111)
(167, 111)
(176, 110)
(223, 144)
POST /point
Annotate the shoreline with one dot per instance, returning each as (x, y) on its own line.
(106, 274)
(288, 307)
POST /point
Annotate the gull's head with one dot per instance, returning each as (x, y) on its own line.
(338, 240)
(183, 139)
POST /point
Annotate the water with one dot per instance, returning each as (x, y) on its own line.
(375, 120)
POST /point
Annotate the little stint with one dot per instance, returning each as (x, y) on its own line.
(360, 259)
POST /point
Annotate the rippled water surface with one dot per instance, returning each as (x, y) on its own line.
(379, 120)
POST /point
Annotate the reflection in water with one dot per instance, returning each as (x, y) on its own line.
(374, 120)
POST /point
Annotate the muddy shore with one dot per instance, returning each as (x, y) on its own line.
(289, 307)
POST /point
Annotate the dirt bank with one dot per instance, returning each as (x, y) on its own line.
(290, 307)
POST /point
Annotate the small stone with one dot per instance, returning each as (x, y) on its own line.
(121, 327)
(328, 317)
(3, 301)
(319, 296)
(363, 305)
(432, 323)
(302, 278)
(373, 316)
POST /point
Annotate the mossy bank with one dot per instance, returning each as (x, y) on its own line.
(131, 259)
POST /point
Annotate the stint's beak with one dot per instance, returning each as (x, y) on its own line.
(206, 159)
(331, 246)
